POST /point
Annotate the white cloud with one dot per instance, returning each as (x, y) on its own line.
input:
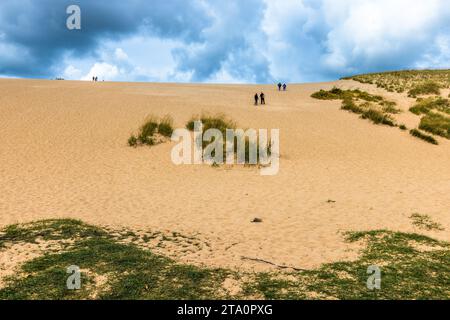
(72, 73)
(120, 54)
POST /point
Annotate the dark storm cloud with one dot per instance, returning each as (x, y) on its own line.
(34, 34)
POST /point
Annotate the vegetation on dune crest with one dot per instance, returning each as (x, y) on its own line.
(415, 82)
(413, 267)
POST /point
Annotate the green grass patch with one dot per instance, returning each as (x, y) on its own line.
(425, 137)
(130, 272)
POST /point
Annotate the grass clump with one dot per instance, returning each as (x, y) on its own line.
(339, 94)
(218, 121)
(152, 132)
(165, 126)
(222, 123)
(437, 124)
(418, 134)
(423, 221)
(349, 105)
(372, 107)
(426, 88)
(131, 272)
(425, 106)
(378, 117)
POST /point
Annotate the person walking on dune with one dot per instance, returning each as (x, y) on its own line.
(284, 87)
(256, 99)
(262, 97)
(279, 86)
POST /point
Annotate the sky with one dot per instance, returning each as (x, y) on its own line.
(217, 41)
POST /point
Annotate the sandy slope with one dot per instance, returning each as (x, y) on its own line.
(63, 153)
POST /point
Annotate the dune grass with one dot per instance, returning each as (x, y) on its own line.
(149, 131)
(222, 122)
(339, 94)
(437, 124)
(131, 272)
(426, 88)
(425, 106)
(415, 82)
(372, 107)
(425, 137)
(378, 117)
(217, 121)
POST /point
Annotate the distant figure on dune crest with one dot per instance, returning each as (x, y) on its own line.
(262, 97)
(284, 87)
(279, 86)
(256, 99)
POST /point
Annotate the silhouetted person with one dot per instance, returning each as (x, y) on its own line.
(256, 99)
(96, 79)
(262, 97)
(279, 86)
(284, 87)
(93, 78)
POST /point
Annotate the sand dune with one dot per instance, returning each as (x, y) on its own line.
(64, 154)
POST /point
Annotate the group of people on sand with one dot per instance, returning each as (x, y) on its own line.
(284, 86)
(261, 98)
(95, 79)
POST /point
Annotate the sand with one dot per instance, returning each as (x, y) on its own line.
(64, 154)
